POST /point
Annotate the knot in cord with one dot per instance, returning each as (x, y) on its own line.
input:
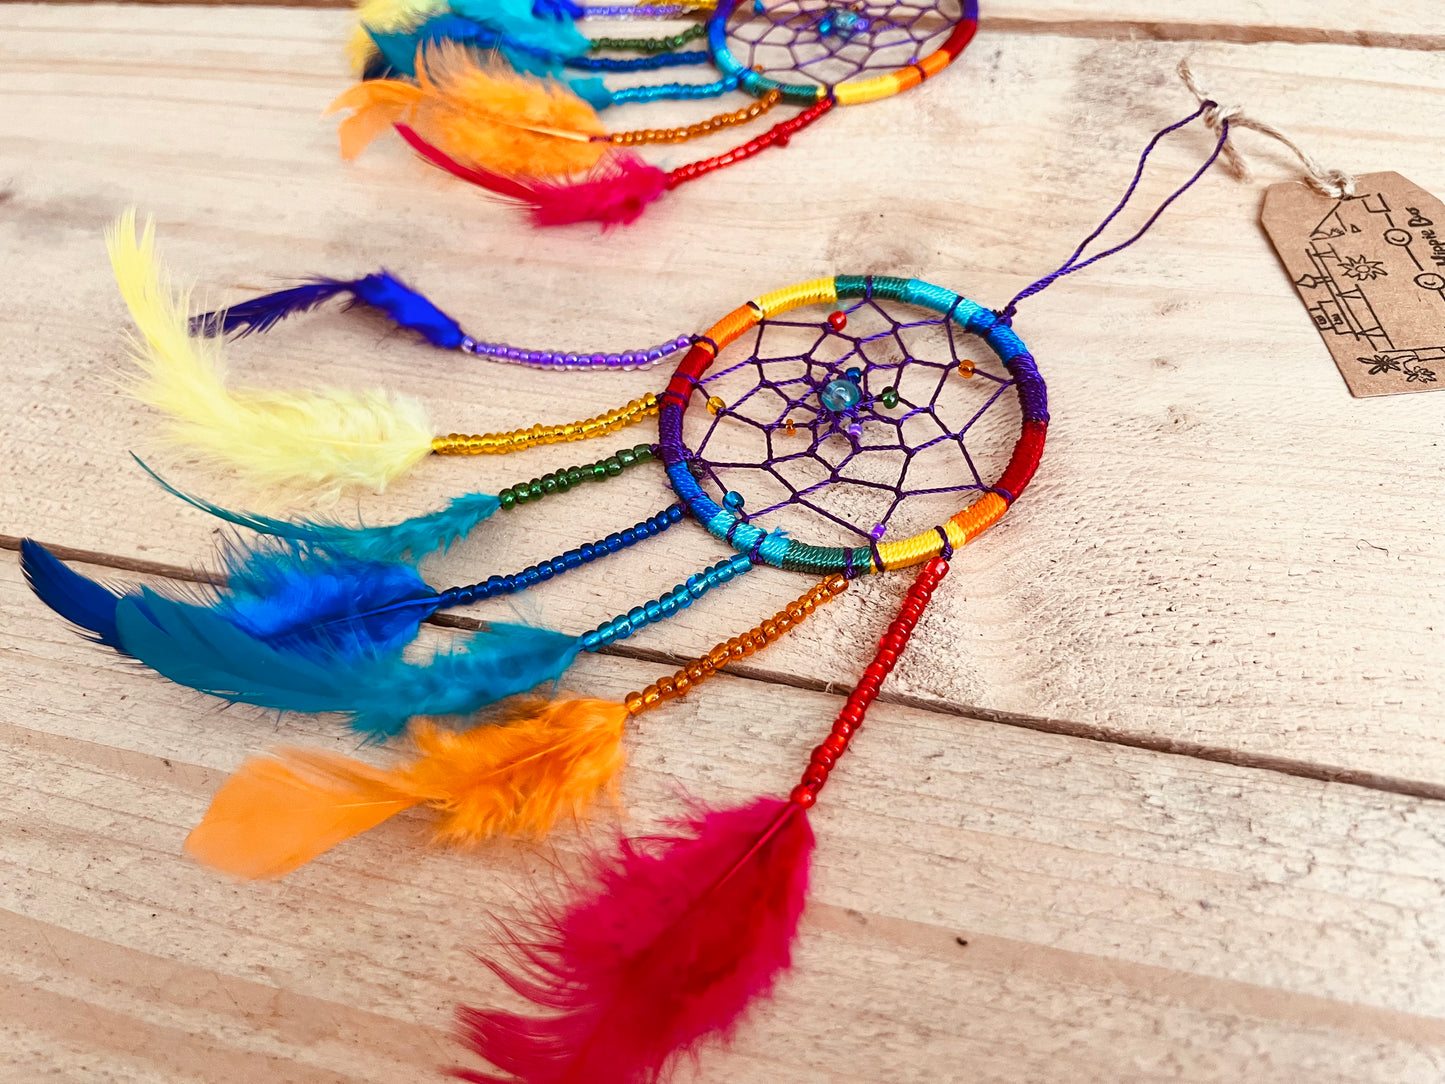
(1335, 183)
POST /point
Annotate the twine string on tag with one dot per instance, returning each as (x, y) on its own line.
(1335, 183)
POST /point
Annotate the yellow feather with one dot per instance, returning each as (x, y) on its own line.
(523, 777)
(484, 115)
(277, 813)
(321, 440)
(396, 16)
(359, 51)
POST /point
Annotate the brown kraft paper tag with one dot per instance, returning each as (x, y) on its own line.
(1370, 269)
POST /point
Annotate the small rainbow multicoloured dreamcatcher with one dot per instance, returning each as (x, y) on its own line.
(853, 401)
(508, 125)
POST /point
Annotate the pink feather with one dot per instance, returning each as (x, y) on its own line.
(680, 933)
(616, 192)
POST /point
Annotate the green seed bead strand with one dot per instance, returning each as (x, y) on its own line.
(560, 481)
(648, 45)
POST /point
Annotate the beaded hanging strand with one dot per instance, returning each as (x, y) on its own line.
(738, 647)
(850, 719)
(518, 439)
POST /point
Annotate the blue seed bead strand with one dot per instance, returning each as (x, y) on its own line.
(679, 598)
(637, 64)
(674, 91)
(563, 562)
(565, 359)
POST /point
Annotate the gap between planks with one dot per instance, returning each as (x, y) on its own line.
(1104, 28)
(1324, 773)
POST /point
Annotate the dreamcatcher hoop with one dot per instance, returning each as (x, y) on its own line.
(724, 36)
(786, 553)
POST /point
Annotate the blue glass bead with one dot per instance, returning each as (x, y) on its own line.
(637, 617)
(544, 571)
(654, 612)
(668, 605)
(588, 551)
(840, 395)
(733, 499)
(530, 575)
(854, 375)
(591, 641)
(614, 542)
(559, 566)
(620, 626)
(696, 585)
(573, 558)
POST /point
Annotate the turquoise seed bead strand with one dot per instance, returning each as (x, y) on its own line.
(679, 598)
(674, 91)
(560, 481)
(584, 554)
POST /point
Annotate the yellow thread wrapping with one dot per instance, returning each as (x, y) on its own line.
(804, 293)
(518, 439)
(739, 647)
(869, 90)
(961, 529)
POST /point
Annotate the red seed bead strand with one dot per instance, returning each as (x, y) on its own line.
(778, 134)
(890, 647)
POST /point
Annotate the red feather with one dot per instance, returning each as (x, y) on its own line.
(679, 934)
(617, 190)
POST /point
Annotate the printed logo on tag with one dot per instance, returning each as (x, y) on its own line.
(1370, 269)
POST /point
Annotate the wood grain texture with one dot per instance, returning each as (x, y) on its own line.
(1226, 565)
(1128, 915)
(1223, 552)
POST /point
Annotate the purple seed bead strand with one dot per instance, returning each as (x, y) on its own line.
(557, 359)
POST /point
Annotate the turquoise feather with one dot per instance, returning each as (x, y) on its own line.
(410, 539)
(195, 647)
(530, 45)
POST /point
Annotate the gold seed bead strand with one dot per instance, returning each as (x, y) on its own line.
(739, 647)
(702, 128)
(518, 439)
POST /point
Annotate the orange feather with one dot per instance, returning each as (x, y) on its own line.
(523, 777)
(277, 813)
(550, 761)
(479, 114)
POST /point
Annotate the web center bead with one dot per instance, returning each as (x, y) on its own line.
(840, 395)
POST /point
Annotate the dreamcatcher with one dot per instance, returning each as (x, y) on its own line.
(871, 405)
(509, 125)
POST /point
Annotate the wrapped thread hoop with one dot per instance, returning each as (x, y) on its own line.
(848, 91)
(791, 554)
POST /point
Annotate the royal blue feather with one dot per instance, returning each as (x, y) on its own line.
(301, 601)
(559, 10)
(383, 291)
(321, 604)
(410, 539)
(81, 601)
(264, 312)
(197, 648)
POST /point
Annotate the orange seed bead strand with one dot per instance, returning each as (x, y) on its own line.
(702, 128)
(739, 647)
(894, 640)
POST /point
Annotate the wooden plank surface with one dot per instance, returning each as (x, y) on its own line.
(1128, 915)
(1224, 557)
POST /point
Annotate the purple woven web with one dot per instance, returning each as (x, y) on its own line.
(947, 435)
(833, 43)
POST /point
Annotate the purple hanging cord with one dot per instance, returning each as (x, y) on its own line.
(1073, 263)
